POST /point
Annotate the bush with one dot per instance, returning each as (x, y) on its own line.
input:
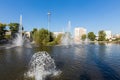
(7, 36)
(43, 37)
(52, 43)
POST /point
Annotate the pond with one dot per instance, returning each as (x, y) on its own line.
(77, 62)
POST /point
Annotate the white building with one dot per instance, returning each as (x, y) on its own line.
(79, 31)
(27, 34)
(116, 36)
(57, 33)
(108, 34)
(8, 32)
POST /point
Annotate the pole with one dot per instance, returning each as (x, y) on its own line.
(49, 20)
(20, 25)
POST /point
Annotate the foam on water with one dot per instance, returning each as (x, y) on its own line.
(41, 65)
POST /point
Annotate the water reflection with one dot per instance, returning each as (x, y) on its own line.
(43, 48)
(85, 76)
(79, 62)
(107, 72)
(13, 63)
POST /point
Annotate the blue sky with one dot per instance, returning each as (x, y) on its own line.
(94, 15)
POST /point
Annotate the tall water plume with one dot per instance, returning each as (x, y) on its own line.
(18, 41)
(67, 37)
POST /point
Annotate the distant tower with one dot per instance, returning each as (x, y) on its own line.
(49, 14)
(20, 26)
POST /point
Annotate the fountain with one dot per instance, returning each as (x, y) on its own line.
(86, 41)
(66, 38)
(18, 41)
(41, 65)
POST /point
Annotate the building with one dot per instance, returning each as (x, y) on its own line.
(79, 31)
(8, 33)
(27, 34)
(108, 34)
(116, 36)
(57, 33)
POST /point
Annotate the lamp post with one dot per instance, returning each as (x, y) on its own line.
(49, 14)
(20, 25)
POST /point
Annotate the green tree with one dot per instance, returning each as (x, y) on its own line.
(14, 27)
(42, 37)
(34, 30)
(91, 36)
(2, 30)
(102, 35)
(58, 39)
(83, 37)
(32, 33)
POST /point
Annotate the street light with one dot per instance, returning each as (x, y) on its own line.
(49, 14)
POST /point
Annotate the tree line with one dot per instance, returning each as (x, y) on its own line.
(44, 37)
(12, 27)
(92, 37)
(39, 36)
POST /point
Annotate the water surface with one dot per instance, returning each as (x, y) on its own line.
(77, 62)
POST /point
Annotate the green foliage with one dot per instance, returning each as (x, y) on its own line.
(34, 30)
(7, 36)
(91, 36)
(32, 33)
(14, 28)
(42, 37)
(58, 39)
(51, 38)
(117, 39)
(83, 37)
(51, 43)
(102, 35)
(2, 30)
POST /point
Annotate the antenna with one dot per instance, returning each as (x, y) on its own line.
(49, 14)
